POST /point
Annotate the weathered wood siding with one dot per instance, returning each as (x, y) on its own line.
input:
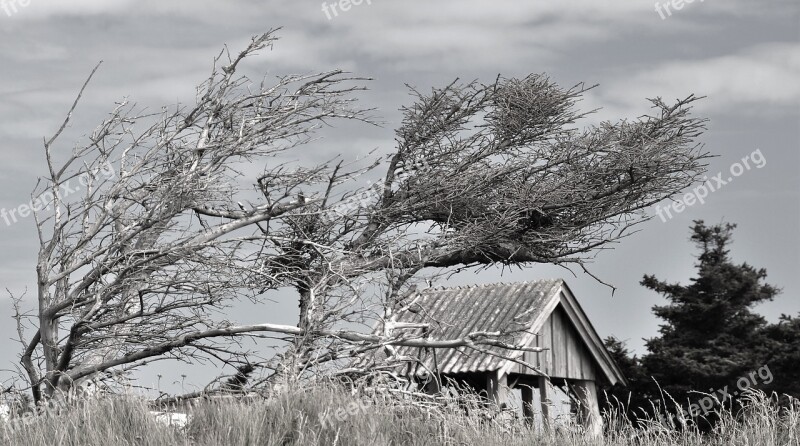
(567, 357)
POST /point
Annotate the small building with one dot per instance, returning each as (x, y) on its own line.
(542, 314)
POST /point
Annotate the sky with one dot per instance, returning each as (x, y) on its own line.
(743, 56)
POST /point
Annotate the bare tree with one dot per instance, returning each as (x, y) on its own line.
(186, 211)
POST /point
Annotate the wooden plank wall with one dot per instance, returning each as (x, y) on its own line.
(567, 357)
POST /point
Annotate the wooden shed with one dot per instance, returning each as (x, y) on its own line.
(542, 314)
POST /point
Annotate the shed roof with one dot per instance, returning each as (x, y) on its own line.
(518, 310)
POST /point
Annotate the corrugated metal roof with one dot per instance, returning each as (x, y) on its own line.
(453, 313)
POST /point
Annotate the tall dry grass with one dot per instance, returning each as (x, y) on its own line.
(309, 417)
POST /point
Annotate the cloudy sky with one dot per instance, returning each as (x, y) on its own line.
(743, 55)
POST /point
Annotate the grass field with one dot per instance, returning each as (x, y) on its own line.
(325, 416)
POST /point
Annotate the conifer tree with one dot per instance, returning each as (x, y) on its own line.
(710, 336)
(784, 357)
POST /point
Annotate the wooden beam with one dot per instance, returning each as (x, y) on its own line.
(527, 402)
(543, 383)
(497, 388)
(589, 410)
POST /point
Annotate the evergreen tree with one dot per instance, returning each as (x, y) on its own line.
(784, 357)
(710, 337)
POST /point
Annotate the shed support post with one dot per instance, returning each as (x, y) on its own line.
(527, 402)
(589, 410)
(497, 388)
(543, 383)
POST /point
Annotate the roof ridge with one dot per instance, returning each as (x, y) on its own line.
(475, 286)
(491, 284)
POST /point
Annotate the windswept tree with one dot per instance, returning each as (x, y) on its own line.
(203, 208)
